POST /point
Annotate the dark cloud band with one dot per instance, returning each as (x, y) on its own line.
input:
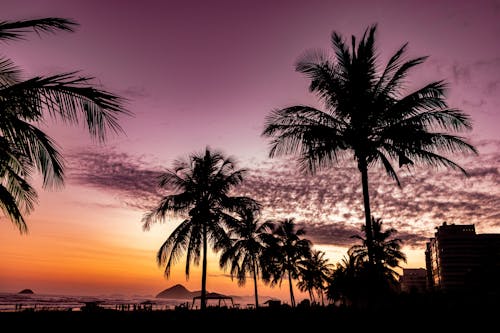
(329, 204)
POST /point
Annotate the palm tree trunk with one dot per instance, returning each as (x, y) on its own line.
(292, 298)
(203, 299)
(255, 284)
(311, 296)
(366, 200)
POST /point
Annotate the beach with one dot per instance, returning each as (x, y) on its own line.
(262, 320)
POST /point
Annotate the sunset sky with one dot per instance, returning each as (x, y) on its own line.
(206, 73)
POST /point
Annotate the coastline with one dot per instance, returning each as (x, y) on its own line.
(15, 302)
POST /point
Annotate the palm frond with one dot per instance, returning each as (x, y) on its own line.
(17, 195)
(39, 148)
(400, 74)
(434, 160)
(218, 236)
(366, 57)
(9, 206)
(15, 30)
(193, 251)
(69, 98)
(392, 65)
(326, 81)
(428, 98)
(228, 255)
(175, 204)
(173, 179)
(388, 167)
(342, 54)
(445, 119)
(21, 191)
(171, 250)
(314, 135)
(9, 73)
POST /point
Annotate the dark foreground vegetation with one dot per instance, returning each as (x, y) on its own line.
(412, 311)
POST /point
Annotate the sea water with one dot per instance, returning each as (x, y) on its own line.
(37, 302)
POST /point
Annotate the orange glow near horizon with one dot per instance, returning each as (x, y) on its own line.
(111, 255)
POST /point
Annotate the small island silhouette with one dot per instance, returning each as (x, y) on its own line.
(26, 291)
(178, 291)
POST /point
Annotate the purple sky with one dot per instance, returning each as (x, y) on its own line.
(200, 73)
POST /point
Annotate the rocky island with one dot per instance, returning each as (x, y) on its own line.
(26, 292)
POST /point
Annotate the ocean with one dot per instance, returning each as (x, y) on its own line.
(18, 302)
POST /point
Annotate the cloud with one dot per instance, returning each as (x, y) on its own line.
(461, 73)
(473, 86)
(220, 275)
(492, 87)
(135, 92)
(329, 205)
(340, 234)
(129, 177)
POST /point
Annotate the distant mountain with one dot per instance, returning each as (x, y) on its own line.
(26, 291)
(178, 292)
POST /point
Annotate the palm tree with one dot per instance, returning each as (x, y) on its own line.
(285, 249)
(245, 251)
(367, 114)
(346, 281)
(314, 273)
(386, 252)
(202, 188)
(66, 97)
(355, 280)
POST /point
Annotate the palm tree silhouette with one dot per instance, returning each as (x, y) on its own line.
(386, 252)
(244, 254)
(66, 97)
(314, 273)
(202, 185)
(346, 280)
(354, 279)
(285, 249)
(368, 115)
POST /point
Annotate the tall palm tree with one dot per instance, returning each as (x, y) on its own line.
(386, 252)
(66, 97)
(314, 273)
(367, 114)
(247, 246)
(202, 187)
(285, 249)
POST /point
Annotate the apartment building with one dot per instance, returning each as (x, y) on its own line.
(458, 259)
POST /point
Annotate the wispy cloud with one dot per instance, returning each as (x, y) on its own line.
(473, 86)
(129, 177)
(135, 92)
(329, 204)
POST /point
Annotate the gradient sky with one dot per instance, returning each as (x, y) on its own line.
(200, 73)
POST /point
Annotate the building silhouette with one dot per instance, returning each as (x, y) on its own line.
(458, 259)
(413, 280)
